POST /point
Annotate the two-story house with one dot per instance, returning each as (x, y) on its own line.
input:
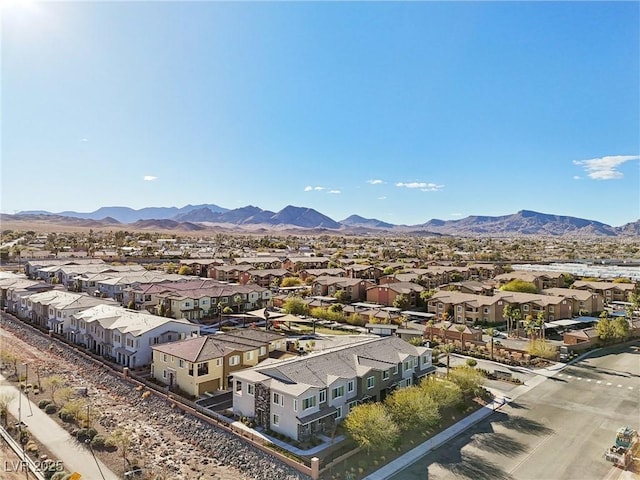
(308, 395)
(204, 364)
(127, 336)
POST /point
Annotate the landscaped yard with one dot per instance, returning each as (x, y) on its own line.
(361, 463)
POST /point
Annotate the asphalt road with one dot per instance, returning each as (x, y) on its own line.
(557, 430)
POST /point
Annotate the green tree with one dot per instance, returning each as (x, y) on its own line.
(517, 285)
(342, 296)
(295, 306)
(620, 328)
(371, 427)
(185, 270)
(470, 380)
(444, 393)
(291, 282)
(605, 328)
(411, 408)
(401, 301)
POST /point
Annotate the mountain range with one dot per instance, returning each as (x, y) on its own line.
(252, 218)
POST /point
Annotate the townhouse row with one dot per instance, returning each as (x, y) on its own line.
(309, 395)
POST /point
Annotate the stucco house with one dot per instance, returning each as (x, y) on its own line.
(309, 395)
(204, 364)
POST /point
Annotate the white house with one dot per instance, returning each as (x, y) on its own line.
(308, 395)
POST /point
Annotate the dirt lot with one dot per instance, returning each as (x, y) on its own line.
(164, 445)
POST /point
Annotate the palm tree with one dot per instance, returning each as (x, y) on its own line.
(517, 316)
(461, 329)
(447, 349)
(540, 321)
(430, 324)
(491, 332)
(507, 312)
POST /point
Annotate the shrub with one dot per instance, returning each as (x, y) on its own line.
(85, 433)
(471, 362)
(43, 403)
(98, 441)
(66, 416)
(50, 408)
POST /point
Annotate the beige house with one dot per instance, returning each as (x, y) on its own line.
(205, 364)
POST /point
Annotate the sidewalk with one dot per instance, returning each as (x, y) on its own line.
(76, 457)
(437, 440)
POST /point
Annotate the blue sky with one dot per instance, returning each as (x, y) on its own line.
(398, 111)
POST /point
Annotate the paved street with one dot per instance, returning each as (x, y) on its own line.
(557, 430)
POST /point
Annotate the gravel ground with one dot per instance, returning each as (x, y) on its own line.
(175, 444)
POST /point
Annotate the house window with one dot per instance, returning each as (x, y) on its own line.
(218, 362)
(337, 392)
(190, 372)
(248, 356)
(323, 396)
(251, 389)
(485, 310)
(295, 405)
(338, 413)
(276, 419)
(203, 368)
(238, 387)
(234, 360)
(350, 386)
(551, 308)
(164, 373)
(181, 363)
(263, 351)
(385, 375)
(371, 381)
(525, 308)
(164, 357)
(309, 402)
(278, 399)
(395, 370)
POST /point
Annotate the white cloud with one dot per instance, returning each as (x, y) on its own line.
(456, 214)
(308, 188)
(412, 184)
(375, 182)
(432, 187)
(149, 178)
(382, 198)
(319, 188)
(605, 168)
(84, 139)
(424, 186)
(577, 177)
(334, 191)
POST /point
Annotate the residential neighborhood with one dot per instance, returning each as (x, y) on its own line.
(286, 346)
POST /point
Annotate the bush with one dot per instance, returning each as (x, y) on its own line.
(66, 416)
(471, 362)
(50, 408)
(43, 403)
(98, 442)
(86, 433)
